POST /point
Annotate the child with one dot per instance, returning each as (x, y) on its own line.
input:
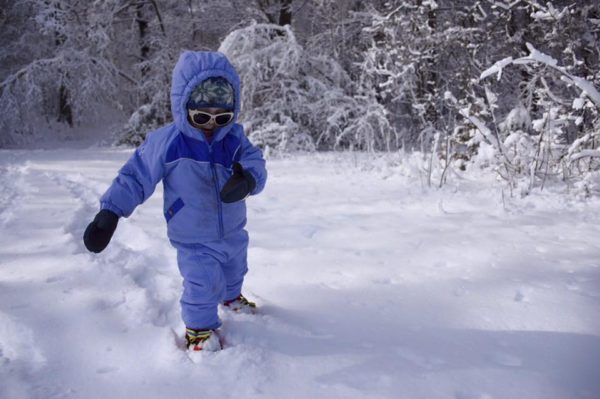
(208, 167)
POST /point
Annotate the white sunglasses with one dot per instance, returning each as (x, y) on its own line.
(204, 118)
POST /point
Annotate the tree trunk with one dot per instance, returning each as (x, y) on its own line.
(278, 12)
(427, 84)
(520, 20)
(65, 112)
(285, 12)
(142, 31)
(144, 48)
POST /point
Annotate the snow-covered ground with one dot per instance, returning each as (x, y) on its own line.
(370, 285)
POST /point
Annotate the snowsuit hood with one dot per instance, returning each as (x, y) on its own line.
(192, 68)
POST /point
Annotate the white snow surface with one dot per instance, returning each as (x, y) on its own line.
(369, 285)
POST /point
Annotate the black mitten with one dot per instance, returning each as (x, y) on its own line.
(100, 231)
(239, 185)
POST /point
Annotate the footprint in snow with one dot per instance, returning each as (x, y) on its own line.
(522, 294)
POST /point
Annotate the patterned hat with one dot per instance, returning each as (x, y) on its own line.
(214, 92)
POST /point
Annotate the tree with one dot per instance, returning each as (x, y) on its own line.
(71, 72)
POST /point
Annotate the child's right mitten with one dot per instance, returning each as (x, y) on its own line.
(100, 231)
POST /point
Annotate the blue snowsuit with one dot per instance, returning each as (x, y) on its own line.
(208, 234)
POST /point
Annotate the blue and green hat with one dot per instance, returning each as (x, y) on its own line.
(215, 92)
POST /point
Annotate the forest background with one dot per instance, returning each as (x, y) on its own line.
(509, 85)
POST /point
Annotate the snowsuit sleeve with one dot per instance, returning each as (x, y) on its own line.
(137, 179)
(252, 160)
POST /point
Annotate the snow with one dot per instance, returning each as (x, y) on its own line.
(517, 119)
(540, 57)
(478, 123)
(587, 87)
(369, 284)
(496, 68)
(578, 103)
(586, 153)
(550, 13)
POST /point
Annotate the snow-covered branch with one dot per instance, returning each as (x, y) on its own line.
(585, 154)
(536, 56)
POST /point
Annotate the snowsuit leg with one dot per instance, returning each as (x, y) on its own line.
(203, 287)
(236, 267)
(212, 272)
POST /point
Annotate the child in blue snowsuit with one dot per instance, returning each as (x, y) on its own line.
(208, 167)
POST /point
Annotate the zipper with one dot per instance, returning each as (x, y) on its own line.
(218, 197)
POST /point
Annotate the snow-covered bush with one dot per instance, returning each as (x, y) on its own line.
(544, 140)
(293, 99)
